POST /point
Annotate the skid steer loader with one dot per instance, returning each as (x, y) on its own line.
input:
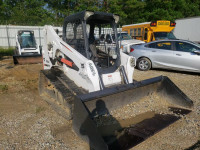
(26, 51)
(90, 82)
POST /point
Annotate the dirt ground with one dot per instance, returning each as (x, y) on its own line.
(27, 122)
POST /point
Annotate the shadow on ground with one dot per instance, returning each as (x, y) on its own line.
(176, 71)
(195, 146)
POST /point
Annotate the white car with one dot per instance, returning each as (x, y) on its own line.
(125, 40)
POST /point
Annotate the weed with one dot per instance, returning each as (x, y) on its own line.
(3, 88)
(6, 52)
(39, 109)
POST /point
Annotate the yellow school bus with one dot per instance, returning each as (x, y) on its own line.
(150, 31)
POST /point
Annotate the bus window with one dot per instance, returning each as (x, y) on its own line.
(135, 30)
(131, 32)
(145, 33)
(139, 31)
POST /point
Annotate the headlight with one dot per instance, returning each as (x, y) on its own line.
(132, 62)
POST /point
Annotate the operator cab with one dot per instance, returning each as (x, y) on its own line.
(83, 30)
(26, 39)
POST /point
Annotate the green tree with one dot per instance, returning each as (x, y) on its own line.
(3, 12)
(41, 12)
(27, 12)
(135, 11)
(170, 9)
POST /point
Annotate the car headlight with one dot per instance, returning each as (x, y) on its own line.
(132, 62)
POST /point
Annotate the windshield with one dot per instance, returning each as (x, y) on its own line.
(122, 36)
(27, 40)
(103, 50)
(164, 35)
(195, 43)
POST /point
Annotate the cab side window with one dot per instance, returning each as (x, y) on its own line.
(185, 47)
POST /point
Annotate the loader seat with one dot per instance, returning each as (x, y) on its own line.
(92, 47)
(93, 50)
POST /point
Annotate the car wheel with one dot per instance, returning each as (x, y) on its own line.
(144, 64)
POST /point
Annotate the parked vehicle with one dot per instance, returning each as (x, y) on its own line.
(188, 29)
(150, 31)
(125, 40)
(27, 51)
(84, 81)
(170, 54)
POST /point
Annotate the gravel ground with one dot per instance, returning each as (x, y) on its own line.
(185, 133)
(27, 122)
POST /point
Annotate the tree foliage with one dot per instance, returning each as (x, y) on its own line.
(41, 12)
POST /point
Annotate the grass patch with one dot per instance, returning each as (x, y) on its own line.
(6, 52)
(39, 109)
(3, 88)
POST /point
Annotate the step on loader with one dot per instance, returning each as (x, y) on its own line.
(26, 51)
(90, 82)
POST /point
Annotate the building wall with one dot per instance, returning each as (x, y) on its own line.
(188, 29)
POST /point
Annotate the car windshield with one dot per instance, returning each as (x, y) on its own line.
(164, 35)
(197, 44)
(122, 36)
